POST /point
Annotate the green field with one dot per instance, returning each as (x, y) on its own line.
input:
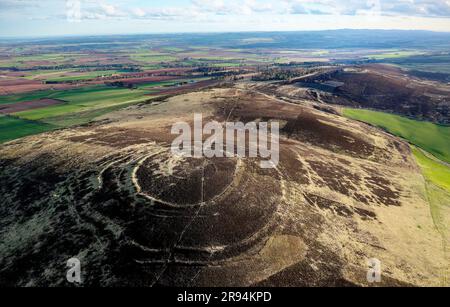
(82, 76)
(151, 85)
(320, 52)
(437, 177)
(28, 96)
(47, 73)
(173, 49)
(153, 57)
(432, 138)
(395, 55)
(438, 63)
(433, 68)
(61, 75)
(84, 99)
(228, 65)
(439, 200)
(54, 58)
(81, 106)
(13, 128)
(434, 171)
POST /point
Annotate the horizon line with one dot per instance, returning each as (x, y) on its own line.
(15, 37)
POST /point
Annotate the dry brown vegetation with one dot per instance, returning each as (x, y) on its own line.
(379, 87)
(112, 194)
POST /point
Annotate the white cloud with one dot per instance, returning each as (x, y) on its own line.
(18, 4)
(209, 8)
(138, 12)
(225, 15)
(424, 8)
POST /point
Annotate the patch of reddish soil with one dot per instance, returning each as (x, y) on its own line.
(12, 87)
(17, 82)
(8, 87)
(38, 63)
(16, 74)
(28, 105)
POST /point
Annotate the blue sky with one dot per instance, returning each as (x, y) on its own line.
(80, 17)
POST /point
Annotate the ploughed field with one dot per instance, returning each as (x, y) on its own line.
(56, 108)
(112, 194)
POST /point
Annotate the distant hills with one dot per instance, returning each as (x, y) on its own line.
(331, 39)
